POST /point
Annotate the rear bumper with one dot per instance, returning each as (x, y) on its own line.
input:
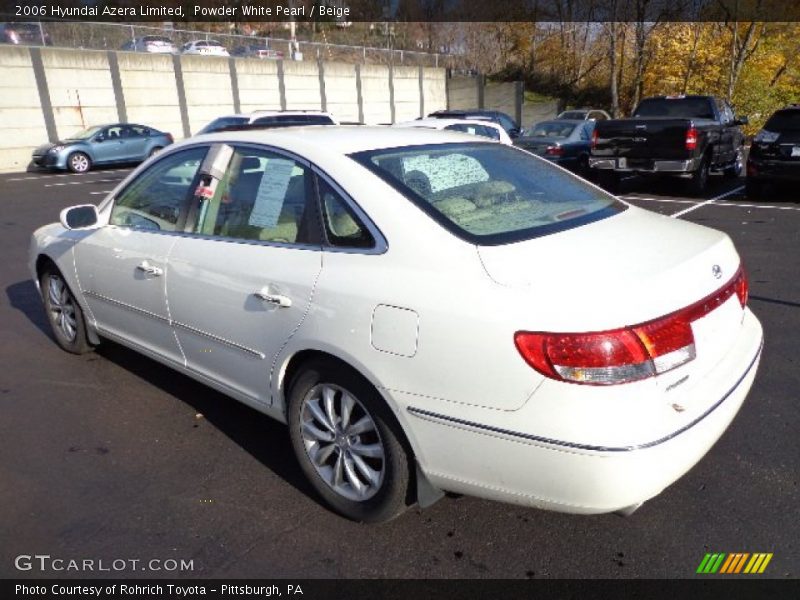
(502, 457)
(774, 169)
(643, 166)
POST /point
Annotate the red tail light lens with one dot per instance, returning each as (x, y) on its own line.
(554, 151)
(170, 138)
(595, 137)
(691, 138)
(626, 354)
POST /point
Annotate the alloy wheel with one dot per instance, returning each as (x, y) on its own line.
(342, 442)
(62, 308)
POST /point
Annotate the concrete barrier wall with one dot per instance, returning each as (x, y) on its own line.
(376, 94)
(406, 93)
(341, 91)
(22, 125)
(207, 84)
(47, 94)
(259, 86)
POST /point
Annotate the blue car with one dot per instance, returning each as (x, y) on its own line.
(102, 145)
(566, 142)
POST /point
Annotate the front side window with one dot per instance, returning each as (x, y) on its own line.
(490, 193)
(156, 200)
(262, 196)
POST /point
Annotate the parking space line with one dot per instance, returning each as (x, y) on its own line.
(53, 175)
(98, 193)
(740, 205)
(709, 201)
(667, 200)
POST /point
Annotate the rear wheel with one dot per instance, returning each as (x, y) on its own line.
(699, 181)
(348, 443)
(155, 151)
(79, 162)
(63, 313)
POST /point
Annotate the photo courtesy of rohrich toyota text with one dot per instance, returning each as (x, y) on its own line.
(399, 298)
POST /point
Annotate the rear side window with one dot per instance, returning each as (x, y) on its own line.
(343, 228)
(784, 120)
(490, 193)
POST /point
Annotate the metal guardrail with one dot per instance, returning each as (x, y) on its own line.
(112, 36)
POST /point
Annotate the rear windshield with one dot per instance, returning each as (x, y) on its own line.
(222, 123)
(784, 120)
(678, 108)
(573, 114)
(551, 129)
(489, 193)
(289, 120)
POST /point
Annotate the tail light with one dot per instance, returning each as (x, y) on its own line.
(691, 138)
(170, 138)
(554, 151)
(625, 354)
(595, 137)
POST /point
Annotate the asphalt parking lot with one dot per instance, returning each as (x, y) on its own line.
(112, 456)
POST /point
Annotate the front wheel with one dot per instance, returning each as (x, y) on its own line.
(63, 313)
(348, 443)
(735, 170)
(79, 162)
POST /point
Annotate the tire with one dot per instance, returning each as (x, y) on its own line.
(155, 151)
(753, 188)
(63, 313)
(79, 162)
(362, 471)
(699, 181)
(735, 170)
(609, 181)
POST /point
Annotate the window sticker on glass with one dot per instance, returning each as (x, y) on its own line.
(271, 193)
(446, 171)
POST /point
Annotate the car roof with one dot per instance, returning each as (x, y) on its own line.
(313, 141)
(561, 122)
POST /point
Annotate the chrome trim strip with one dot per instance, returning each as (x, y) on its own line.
(129, 307)
(418, 412)
(177, 324)
(221, 340)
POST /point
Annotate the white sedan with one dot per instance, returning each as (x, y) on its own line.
(482, 128)
(205, 48)
(425, 310)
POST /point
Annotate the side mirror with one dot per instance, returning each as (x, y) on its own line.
(82, 216)
(742, 120)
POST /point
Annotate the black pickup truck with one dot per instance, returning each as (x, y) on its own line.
(685, 136)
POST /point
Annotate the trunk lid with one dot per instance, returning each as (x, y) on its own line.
(625, 270)
(537, 145)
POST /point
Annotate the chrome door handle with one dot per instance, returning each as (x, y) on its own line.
(276, 299)
(149, 269)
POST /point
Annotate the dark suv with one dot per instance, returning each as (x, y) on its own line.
(775, 151)
(495, 116)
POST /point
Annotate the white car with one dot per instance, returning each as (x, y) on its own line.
(205, 47)
(486, 129)
(426, 310)
(270, 118)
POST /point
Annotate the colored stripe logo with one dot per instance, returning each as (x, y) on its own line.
(734, 563)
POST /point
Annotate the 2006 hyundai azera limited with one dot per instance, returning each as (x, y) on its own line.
(425, 310)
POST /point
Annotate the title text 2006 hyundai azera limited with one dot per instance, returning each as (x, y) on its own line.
(425, 310)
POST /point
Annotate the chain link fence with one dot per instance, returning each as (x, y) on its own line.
(113, 36)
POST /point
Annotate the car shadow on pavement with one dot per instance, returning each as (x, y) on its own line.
(25, 298)
(264, 438)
